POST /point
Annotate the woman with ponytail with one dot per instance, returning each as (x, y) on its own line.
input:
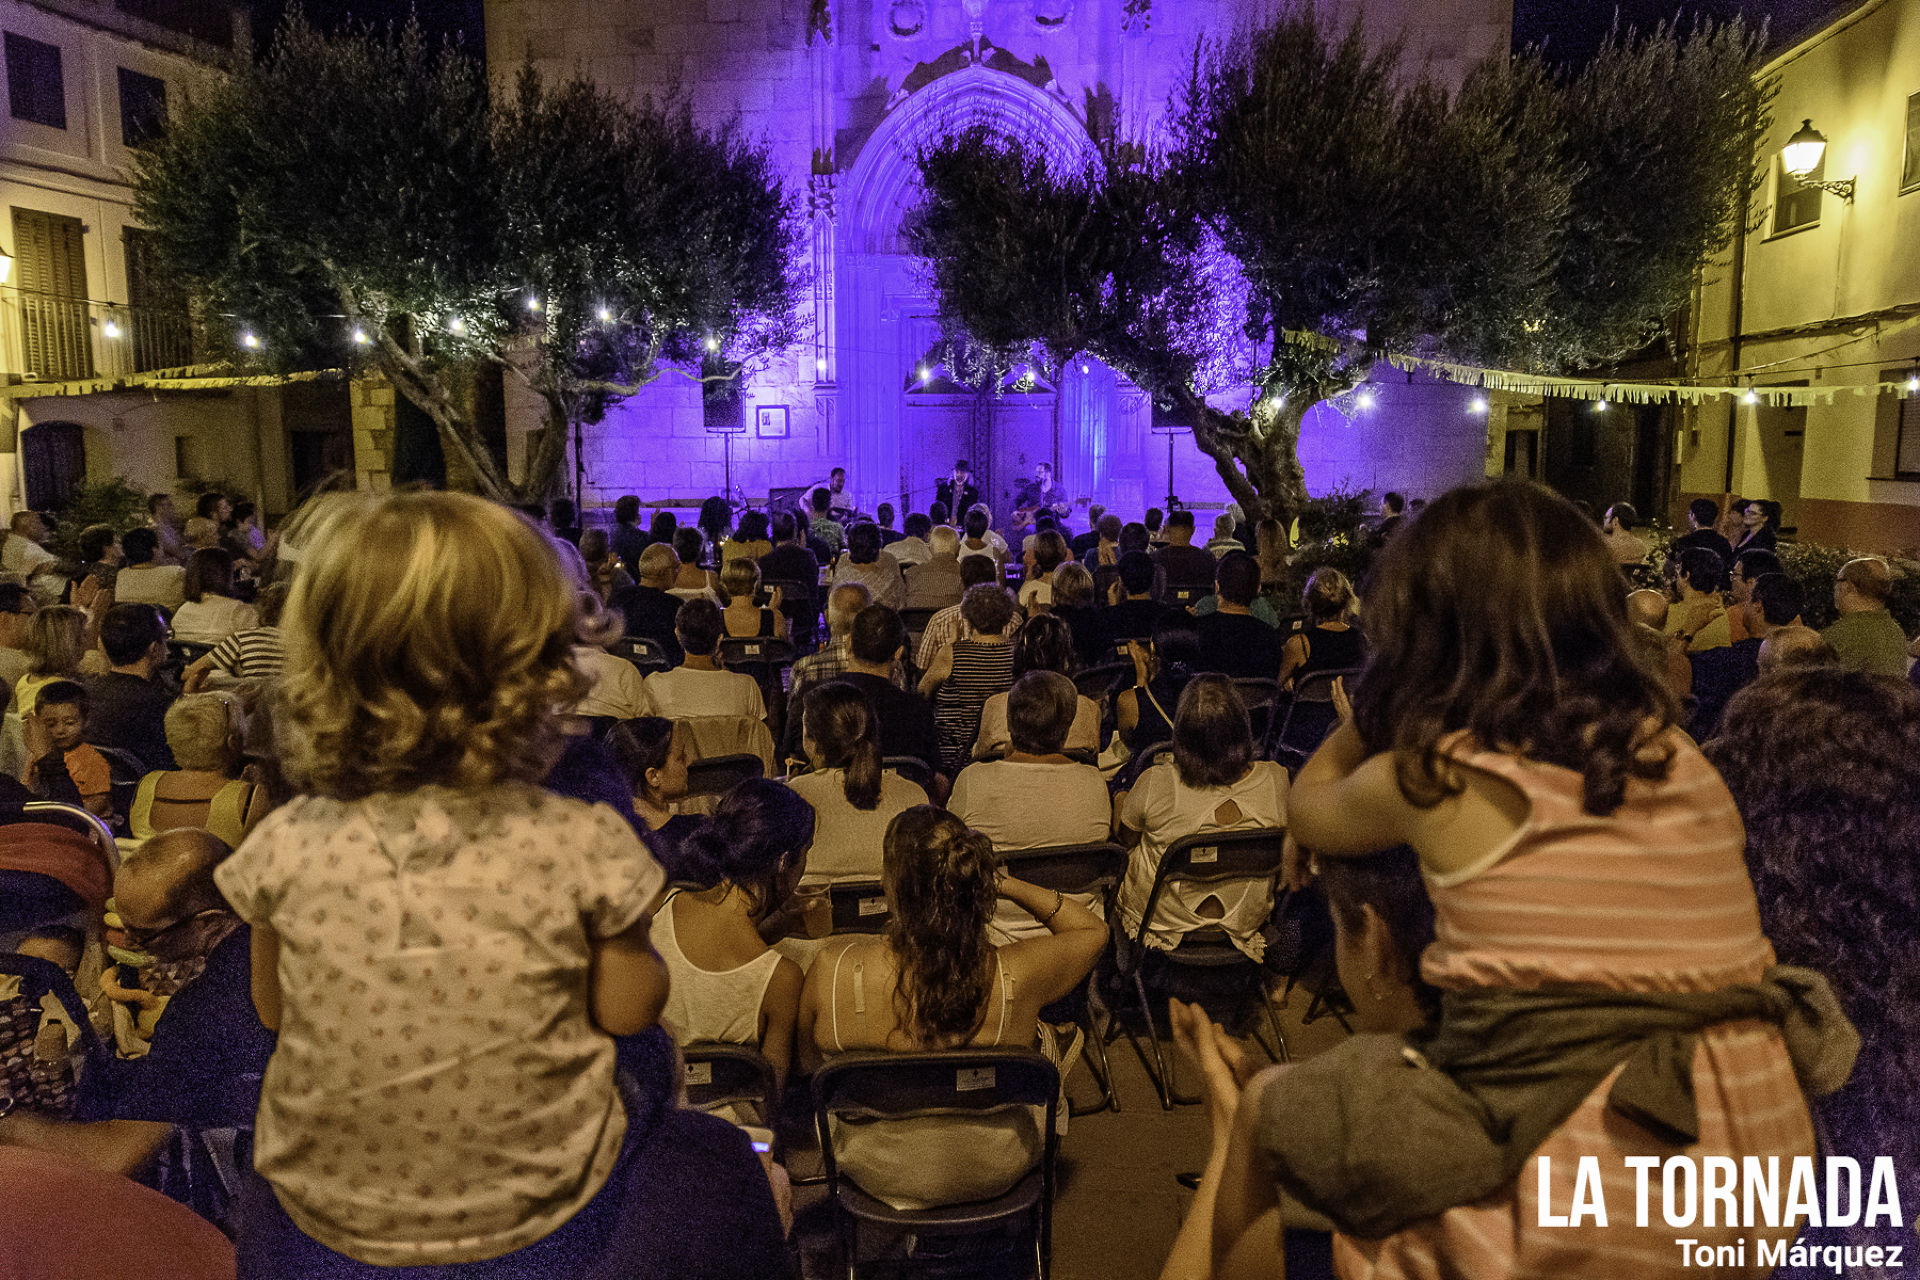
(934, 980)
(736, 874)
(853, 798)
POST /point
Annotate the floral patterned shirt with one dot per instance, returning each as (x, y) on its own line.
(439, 1093)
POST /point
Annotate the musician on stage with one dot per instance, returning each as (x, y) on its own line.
(840, 502)
(958, 492)
(1041, 494)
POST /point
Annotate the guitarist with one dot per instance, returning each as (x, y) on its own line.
(1041, 494)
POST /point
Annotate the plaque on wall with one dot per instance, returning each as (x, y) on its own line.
(771, 421)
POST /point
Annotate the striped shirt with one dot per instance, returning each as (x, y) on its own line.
(980, 670)
(253, 654)
(1653, 897)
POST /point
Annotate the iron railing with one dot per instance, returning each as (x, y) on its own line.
(51, 338)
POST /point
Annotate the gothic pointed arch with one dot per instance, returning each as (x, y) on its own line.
(884, 182)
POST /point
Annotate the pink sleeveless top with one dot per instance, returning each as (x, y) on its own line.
(1653, 897)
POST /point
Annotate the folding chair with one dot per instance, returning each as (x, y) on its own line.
(184, 653)
(1309, 716)
(1097, 682)
(1211, 858)
(725, 750)
(858, 906)
(915, 621)
(719, 1075)
(800, 602)
(964, 1086)
(1184, 597)
(1083, 869)
(646, 655)
(1261, 696)
(766, 659)
(717, 775)
(912, 768)
(757, 656)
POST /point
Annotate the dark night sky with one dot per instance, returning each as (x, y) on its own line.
(439, 17)
(1571, 29)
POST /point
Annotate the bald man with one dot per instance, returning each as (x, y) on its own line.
(648, 605)
(209, 1047)
(1794, 647)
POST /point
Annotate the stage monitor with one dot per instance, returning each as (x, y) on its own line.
(788, 498)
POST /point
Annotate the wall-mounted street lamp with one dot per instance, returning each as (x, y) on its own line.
(1802, 156)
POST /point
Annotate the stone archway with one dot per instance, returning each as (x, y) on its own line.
(883, 304)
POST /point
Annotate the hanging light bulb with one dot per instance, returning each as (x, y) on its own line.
(820, 364)
(1086, 368)
(1913, 381)
(1749, 396)
(250, 341)
(1600, 406)
(925, 373)
(109, 329)
(1478, 405)
(533, 304)
(605, 314)
(713, 343)
(360, 338)
(1366, 400)
(456, 325)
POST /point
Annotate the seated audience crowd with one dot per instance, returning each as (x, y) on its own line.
(420, 893)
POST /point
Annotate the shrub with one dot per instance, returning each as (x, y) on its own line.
(111, 502)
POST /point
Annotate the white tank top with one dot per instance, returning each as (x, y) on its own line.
(704, 1005)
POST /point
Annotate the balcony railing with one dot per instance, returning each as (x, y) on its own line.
(46, 337)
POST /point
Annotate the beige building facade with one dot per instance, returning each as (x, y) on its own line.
(1825, 294)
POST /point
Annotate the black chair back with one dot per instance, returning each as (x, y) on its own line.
(957, 1085)
(859, 906)
(913, 769)
(647, 655)
(717, 775)
(755, 654)
(1215, 857)
(1069, 868)
(187, 652)
(718, 1075)
(915, 621)
(1309, 716)
(1184, 597)
(800, 602)
(1098, 682)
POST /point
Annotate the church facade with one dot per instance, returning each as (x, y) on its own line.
(844, 92)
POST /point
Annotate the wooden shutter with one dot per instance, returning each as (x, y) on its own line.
(162, 324)
(50, 266)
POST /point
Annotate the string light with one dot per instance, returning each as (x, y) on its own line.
(1478, 405)
(1366, 400)
(820, 364)
(360, 338)
(533, 304)
(605, 315)
(1086, 368)
(249, 341)
(1750, 396)
(925, 373)
(1600, 406)
(108, 329)
(713, 344)
(456, 325)
(1913, 381)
